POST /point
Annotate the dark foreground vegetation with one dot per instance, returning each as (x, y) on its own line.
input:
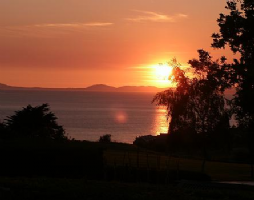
(48, 188)
(198, 107)
(93, 170)
(39, 161)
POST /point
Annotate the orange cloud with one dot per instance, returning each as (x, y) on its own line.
(50, 30)
(76, 25)
(156, 17)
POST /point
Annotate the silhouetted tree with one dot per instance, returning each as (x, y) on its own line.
(237, 31)
(197, 104)
(105, 138)
(207, 101)
(35, 122)
(175, 99)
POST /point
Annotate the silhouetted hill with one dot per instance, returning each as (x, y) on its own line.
(139, 89)
(101, 88)
(8, 87)
(93, 88)
(4, 86)
(106, 88)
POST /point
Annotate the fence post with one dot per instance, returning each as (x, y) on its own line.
(137, 169)
(167, 165)
(147, 168)
(177, 169)
(105, 168)
(115, 166)
(158, 169)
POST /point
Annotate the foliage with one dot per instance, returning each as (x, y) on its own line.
(196, 103)
(175, 99)
(207, 100)
(237, 31)
(3, 131)
(34, 122)
(105, 138)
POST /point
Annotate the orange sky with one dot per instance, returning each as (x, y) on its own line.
(77, 43)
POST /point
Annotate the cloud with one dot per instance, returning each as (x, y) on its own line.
(96, 24)
(75, 25)
(50, 29)
(156, 17)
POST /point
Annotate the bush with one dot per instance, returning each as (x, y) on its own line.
(3, 131)
(34, 122)
(105, 138)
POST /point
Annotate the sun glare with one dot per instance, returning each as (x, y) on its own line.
(163, 71)
(161, 74)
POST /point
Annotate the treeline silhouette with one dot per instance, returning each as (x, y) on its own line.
(197, 107)
(32, 144)
(32, 122)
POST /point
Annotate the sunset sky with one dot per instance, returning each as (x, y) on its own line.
(77, 43)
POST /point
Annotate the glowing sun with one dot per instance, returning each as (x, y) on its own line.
(163, 72)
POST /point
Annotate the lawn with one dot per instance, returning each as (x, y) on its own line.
(47, 188)
(90, 170)
(220, 171)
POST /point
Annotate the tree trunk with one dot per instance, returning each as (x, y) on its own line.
(204, 148)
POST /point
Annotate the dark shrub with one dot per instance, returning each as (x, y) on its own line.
(105, 138)
(35, 122)
(3, 131)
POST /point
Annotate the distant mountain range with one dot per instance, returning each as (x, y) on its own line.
(93, 88)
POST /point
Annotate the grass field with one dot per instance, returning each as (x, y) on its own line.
(70, 160)
(78, 154)
(219, 171)
(48, 188)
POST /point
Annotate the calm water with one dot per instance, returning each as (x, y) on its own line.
(88, 115)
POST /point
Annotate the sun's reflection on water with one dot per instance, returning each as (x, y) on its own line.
(161, 122)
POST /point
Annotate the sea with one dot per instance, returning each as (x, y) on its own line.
(89, 115)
